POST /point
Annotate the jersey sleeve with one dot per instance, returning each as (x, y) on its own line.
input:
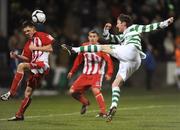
(77, 62)
(114, 38)
(46, 39)
(26, 51)
(146, 28)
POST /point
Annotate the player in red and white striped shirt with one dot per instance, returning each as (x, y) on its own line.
(92, 75)
(35, 58)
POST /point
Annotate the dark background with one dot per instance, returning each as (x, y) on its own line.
(69, 22)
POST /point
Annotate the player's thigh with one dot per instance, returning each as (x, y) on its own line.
(96, 81)
(125, 52)
(80, 84)
(34, 80)
(126, 69)
(23, 66)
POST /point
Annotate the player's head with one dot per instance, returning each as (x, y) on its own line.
(93, 36)
(28, 28)
(123, 22)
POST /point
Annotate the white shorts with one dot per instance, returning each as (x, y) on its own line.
(129, 59)
(39, 67)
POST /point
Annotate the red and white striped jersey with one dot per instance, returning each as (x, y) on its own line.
(94, 63)
(39, 39)
(39, 55)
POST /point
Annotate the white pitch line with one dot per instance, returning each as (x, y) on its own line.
(77, 113)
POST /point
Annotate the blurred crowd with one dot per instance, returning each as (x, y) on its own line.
(70, 21)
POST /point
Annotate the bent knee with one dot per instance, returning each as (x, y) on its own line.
(71, 91)
(95, 91)
(22, 66)
(119, 84)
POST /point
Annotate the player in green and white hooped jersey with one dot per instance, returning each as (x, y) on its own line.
(128, 51)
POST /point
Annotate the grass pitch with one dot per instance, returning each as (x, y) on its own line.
(138, 110)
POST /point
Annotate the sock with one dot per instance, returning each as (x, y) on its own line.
(81, 98)
(90, 48)
(16, 81)
(101, 103)
(115, 96)
(24, 104)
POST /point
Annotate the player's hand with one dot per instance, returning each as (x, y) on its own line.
(107, 26)
(170, 20)
(167, 22)
(13, 54)
(107, 77)
(69, 75)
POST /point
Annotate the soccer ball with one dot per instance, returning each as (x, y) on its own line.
(38, 16)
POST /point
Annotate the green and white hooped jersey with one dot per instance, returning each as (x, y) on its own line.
(132, 35)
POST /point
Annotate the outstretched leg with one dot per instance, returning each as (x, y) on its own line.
(89, 48)
(16, 81)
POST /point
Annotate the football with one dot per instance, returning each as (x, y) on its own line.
(38, 16)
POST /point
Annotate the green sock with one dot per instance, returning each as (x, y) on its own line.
(90, 48)
(115, 96)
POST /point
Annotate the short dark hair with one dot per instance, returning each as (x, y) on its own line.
(28, 23)
(125, 18)
(94, 31)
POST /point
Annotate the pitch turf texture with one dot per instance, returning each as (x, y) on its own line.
(138, 110)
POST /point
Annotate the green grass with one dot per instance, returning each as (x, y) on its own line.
(138, 110)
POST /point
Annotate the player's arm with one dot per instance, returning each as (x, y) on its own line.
(47, 41)
(47, 48)
(153, 26)
(19, 57)
(76, 64)
(110, 66)
(112, 38)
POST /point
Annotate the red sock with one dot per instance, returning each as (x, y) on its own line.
(80, 97)
(100, 101)
(16, 81)
(24, 104)
(83, 100)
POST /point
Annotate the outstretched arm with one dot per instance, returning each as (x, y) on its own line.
(76, 64)
(14, 55)
(47, 48)
(153, 26)
(112, 38)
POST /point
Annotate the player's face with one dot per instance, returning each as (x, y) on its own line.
(29, 31)
(121, 25)
(93, 37)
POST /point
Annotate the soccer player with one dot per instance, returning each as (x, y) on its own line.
(92, 75)
(128, 51)
(35, 59)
